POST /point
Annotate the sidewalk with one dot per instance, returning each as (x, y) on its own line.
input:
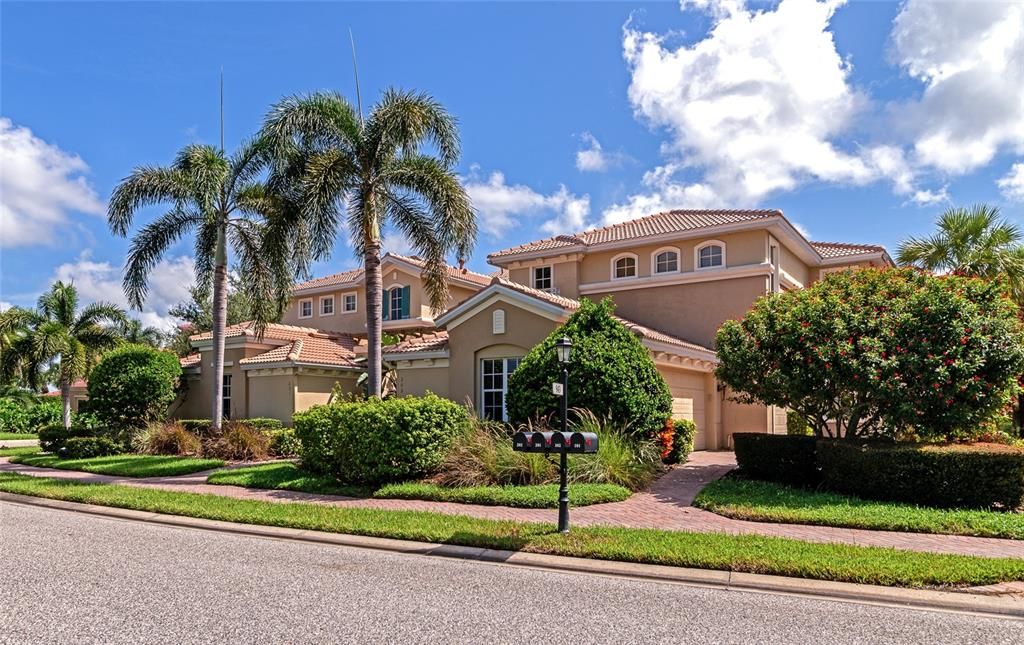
(665, 506)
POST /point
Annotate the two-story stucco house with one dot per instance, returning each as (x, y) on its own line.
(674, 276)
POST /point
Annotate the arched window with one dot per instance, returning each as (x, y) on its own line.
(395, 303)
(665, 261)
(709, 255)
(624, 266)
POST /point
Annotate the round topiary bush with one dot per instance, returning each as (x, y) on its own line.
(131, 387)
(611, 374)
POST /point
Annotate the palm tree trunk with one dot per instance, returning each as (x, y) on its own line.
(65, 396)
(220, 314)
(374, 324)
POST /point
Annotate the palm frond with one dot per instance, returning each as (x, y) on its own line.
(404, 120)
(148, 248)
(145, 186)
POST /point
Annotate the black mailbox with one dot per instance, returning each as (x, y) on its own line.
(521, 441)
(583, 442)
(558, 441)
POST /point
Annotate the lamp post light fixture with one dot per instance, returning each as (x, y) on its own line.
(563, 349)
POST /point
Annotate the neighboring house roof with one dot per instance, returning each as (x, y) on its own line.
(422, 342)
(675, 221)
(273, 331)
(334, 350)
(840, 249)
(192, 360)
(354, 276)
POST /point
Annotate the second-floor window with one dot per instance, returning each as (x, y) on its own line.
(348, 303)
(327, 306)
(396, 303)
(305, 309)
(666, 262)
(542, 278)
(710, 255)
(624, 267)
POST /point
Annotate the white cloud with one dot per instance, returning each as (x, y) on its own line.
(502, 206)
(970, 58)
(169, 284)
(594, 158)
(4, 305)
(930, 197)
(40, 186)
(1012, 185)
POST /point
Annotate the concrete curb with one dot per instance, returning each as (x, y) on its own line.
(18, 443)
(845, 591)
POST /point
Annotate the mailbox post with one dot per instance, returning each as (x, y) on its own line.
(563, 347)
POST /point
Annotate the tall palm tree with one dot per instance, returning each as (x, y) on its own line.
(225, 201)
(133, 331)
(377, 171)
(59, 332)
(18, 369)
(971, 241)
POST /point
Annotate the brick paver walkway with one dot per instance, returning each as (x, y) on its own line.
(665, 506)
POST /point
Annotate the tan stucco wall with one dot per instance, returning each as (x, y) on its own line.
(473, 339)
(564, 275)
(693, 312)
(200, 400)
(272, 395)
(187, 405)
(417, 381)
(688, 399)
(740, 417)
(793, 265)
(748, 247)
(316, 390)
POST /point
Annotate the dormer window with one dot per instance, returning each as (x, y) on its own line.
(624, 267)
(666, 261)
(710, 255)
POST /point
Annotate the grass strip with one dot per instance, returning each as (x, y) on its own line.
(769, 502)
(287, 476)
(123, 465)
(17, 435)
(748, 553)
(19, 451)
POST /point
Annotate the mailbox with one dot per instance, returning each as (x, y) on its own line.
(521, 441)
(558, 441)
(582, 442)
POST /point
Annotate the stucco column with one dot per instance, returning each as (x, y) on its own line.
(712, 412)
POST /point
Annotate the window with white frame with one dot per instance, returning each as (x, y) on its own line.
(710, 255)
(327, 306)
(494, 374)
(624, 267)
(348, 303)
(666, 261)
(396, 301)
(542, 278)
(306, 308)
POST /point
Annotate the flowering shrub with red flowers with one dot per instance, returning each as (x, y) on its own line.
(664, 439)
(880, 352)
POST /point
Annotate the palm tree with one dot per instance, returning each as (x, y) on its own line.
(971, 241)
(17, 371)
(59, 332)
(133, 331)
(223, 200)
(376, 170)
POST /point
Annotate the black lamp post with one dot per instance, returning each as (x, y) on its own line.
(563, 348)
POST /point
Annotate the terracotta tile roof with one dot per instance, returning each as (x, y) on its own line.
(423, 342)
(839, 249)
(274, 331)
(356, 275)
(571, 305)
(453, 271)
(192, 360)
(345, 277)
(674, 221)
(318, 349)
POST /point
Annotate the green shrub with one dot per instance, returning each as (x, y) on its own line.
(611, 374)
(237, 441)
(13, 416)
(198, 427)
(48, 410)
(796, 424)
(263, 423)
(284, 443)
(944, 476)
(621, 458)
(880, 350)
(682, 441)
(377, 441)
(169, 438)
(788, 459)
(54, 437)
(87, 447)
(482, 455)
(131, 387)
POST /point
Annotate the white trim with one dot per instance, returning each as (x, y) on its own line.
(291, 363)
(499, 293)
(310, 301)
(551, 276)
(324, 299)
(853, 259)
(498, 322)
(403, 323)
(623, 256)
(686, 277)
(432, 355)
(663, 249)
(238, 342)
(354, 294)
(703, 245)
(776, 276)
(419, 363)
(789, 281)
(418, 272)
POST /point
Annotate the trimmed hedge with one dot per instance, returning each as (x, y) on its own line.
(377, 441)
(944, 476)
(53, 437)
(88, 447)
(132, 386)
(788, 459)
(682, 440)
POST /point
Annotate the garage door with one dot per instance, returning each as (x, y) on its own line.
(687, 389)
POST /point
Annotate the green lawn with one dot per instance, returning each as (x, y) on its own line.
(768, 502)
(747, 553)
(16, 435)
(286, 476)
(124, 465)
(16, 452)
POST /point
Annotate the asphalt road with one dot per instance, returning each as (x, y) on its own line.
(68, 577)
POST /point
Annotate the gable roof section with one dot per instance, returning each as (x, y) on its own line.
(436, 341)
(829, 250)
(355, 276)
(328, 350)
(274, 331)
(567, 306)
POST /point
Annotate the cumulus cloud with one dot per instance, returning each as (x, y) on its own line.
(594, 158)
(169, 284)
(40, 186)
(502, 206)
(1012, 185)
(969, 56)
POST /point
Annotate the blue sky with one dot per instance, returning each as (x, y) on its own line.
(862, 121)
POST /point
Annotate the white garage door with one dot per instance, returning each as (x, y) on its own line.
(687, 389)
